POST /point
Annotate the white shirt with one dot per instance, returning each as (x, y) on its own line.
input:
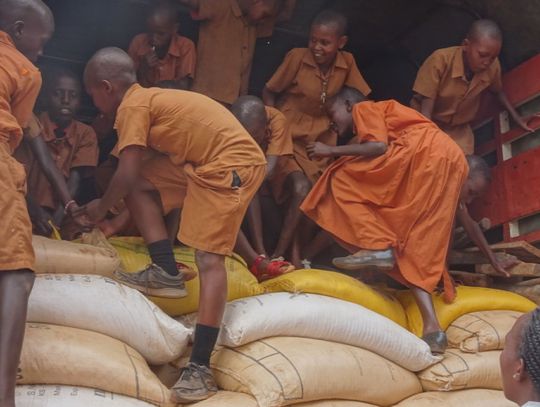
(532, 404)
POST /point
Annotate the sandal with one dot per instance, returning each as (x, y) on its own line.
(275, 268)
(437, 342)
(188, 272)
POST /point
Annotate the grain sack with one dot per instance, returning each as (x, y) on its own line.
(282, 371)
(68, 396)
(240, 282)
(61, 257)
(326, 318)
(340, 286)
(481, 331)
(465, 398)
(229, 399)
(102, 305)
(73, 357)
(459, 371)
(469, 299)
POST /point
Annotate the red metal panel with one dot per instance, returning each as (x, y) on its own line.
(522, 82)
(492, 204)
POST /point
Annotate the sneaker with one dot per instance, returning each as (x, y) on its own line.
(196, 383)
(366, 259)
(153, 280)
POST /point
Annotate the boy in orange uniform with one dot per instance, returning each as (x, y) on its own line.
(25, 27)
(162, 57)
(451, 81)
(269, 128)
(227, 36)
(299, 89)
(210, 166)
(72, 145)
(393, 196)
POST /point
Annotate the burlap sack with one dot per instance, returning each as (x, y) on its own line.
(61, 257)
(465, 398)
(102, 305)
(230, 399)
(481, 331)
(459, 371)
(68, 396)
(319, 317)
(73, 357)
(282, 371)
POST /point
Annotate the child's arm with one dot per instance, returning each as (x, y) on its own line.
(426, 106)
(40, 217)
(269, 97)
(254, 218)
(475, 233)
(366, 149)
(271, 165)
(73, 186)
(515, 115)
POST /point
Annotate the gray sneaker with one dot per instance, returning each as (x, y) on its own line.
(196, 383)
(366, 259)
(153, 280)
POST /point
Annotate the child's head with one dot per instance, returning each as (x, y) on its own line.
(520, 360)
(107, 77)
(162, 24)
(339, 109)
(256, 11)
(62, 95)
(482, 45)
(327, 36)
(478, 180)
(30, 24)
(250, 112)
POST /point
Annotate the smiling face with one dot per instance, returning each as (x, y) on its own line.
(480, 53)
(64, 99)
(324, 43)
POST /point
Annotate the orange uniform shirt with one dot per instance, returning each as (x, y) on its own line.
(76, 148)
(442, 78)
(224, 51)
(405, 199)
(179, 62)
(20, 82)
(280, 139)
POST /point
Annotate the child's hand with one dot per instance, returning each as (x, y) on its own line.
(502, 266)
(524, 122)
(318, 150)
(92, 210)
(41, 219)
(80, 218)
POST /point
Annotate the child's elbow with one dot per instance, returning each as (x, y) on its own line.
(381, 148)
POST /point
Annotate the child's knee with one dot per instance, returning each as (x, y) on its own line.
(209, 262)
(20, 281)
(301, 188)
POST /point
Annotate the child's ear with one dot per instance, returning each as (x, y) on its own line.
(17, 29)
(349, 106)
(519, 374)
(107, 86)
(342, 41)
(466, 42)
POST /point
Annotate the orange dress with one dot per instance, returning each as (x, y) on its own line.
(405, 199)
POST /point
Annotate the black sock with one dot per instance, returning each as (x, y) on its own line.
(161, 253)
(203, 345)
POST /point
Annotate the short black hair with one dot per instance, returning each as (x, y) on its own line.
(168, 8)
(51, 74)
(347, 93)
(478, 166)
(249, 110)
(332, 18)
(485, 28)
(530, 348)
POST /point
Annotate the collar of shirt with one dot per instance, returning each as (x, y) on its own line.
(237, 11)
(49, 128)
(174, 48)
(458, 69)
(309, 60)
(5, 38)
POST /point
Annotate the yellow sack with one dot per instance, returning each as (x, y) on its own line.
(465, 398)
(460, 371)
(281, 371)
(481, 331)
(230, 399)
(468, 299)
(61, 355)
(241, 283)
(340, 286)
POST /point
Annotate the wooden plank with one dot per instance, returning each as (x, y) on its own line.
(472, 258)
(521, 270)
(471, 279)
(522, 250)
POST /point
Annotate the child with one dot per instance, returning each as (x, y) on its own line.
(227, 37)
(269, 129)
(72, 146)
(25, 27)
(451, 81)
(520, 361)
(162, 57)
(394, 196)
(299, 88)
(209, 166)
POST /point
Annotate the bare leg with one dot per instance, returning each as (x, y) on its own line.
(300, 186)
(116, 225)
(245, 250)
(425, 303)
(172, 221)
(322, 241)
(15, 287)
(213, 288)
(254, 218)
